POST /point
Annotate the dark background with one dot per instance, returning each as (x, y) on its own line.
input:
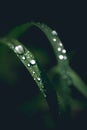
(69, 19)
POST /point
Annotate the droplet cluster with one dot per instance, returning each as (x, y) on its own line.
(56, 43)
(59, 49)
(30, 62)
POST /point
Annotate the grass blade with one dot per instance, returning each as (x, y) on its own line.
(36, 71)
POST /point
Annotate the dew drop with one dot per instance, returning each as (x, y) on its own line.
(60, 44)
(54, 32)
(33, 62)
(38, 79)
(11, 45)
(59, 48)
(19, 49)
(23, 58)
(65, 57)
(34, 78)
(28, 65)
(33, 72)
(54, 39)
(63, 51)
(61, 57)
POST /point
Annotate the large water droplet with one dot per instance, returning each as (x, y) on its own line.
(19, 49)
(32, 62)
(54, 32)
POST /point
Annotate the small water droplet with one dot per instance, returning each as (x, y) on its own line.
(60, 44)
(28, 65)
(23, 58)
(54, 39)
(19, 49)
(59, 48)
(33, 72)
(63, 51)
(11, 45)
(33, 62)
(61, 57)
(54, 32)
(38, 79)
(65, 57)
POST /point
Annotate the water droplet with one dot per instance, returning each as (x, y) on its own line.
(43, 87)
(63, 51)
(19, 49)
(54, 39)
(38, 79)
(33, 72)
(59, 48)
(28, 65)
(60, 44)
(65, 57)
(33, 62)
(23, 58)
(61, 57)
(54, 32)
(11, 45)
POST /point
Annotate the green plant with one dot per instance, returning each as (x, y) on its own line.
(55, 88)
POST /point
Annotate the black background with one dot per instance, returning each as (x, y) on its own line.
(69, 18)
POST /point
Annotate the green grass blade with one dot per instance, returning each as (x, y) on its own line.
(36, 71)
(19, 30)
(78, 83)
